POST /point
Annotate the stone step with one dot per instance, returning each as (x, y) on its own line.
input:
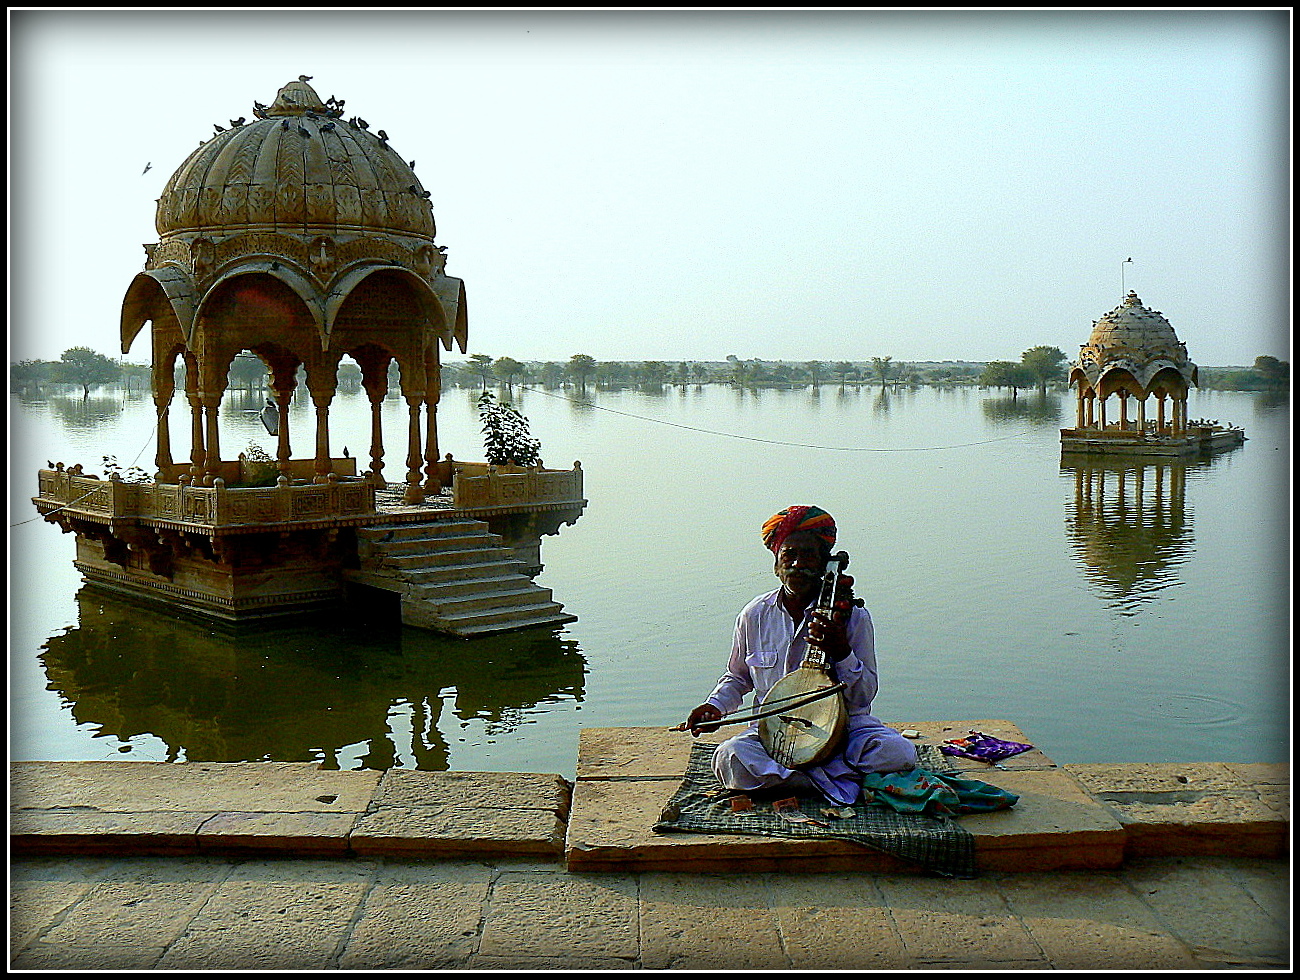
(470, 572)
(450, 588)
(464, 556)
(528, 622)
(426, 529)
(514, 617)
(489, 601)
(415, 547)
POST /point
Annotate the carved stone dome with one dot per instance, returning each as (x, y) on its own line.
(1131, 325)
(1133, 342)
(299, 168)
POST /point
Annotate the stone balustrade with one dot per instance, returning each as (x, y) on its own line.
(211, 508)
(482, 486)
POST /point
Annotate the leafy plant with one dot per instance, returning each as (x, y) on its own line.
(505, 434)
(260, 470)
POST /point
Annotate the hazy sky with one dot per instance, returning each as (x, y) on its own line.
(676, 186)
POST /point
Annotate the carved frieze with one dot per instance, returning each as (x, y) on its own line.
(173, 252)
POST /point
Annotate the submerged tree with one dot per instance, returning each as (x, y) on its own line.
(483, 366)
(83, 366)
(580, 366)
(1044, 364)
(1006, 374)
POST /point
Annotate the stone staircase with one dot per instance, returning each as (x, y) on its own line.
(453, 576)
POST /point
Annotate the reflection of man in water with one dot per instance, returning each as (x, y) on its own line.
(772, 634)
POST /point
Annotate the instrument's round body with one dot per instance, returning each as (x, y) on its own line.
(809, 734)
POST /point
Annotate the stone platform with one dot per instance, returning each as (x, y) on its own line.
(1069, 817)
(1073, 817)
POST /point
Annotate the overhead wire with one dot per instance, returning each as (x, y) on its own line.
(775, 442)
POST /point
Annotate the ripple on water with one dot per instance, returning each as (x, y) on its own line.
(1196, 709)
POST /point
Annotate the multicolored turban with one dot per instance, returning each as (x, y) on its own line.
(780, 526)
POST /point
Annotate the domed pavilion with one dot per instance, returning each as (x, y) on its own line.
(303, 237)
(1134, 354)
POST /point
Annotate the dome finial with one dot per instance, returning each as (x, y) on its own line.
(295, 99)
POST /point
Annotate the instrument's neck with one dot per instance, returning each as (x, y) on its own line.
(825, 603)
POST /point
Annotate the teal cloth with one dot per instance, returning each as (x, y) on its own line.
(934, 793)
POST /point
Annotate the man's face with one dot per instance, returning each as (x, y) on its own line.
(800, 564)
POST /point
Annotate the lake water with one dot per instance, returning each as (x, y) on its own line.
(1121, 613)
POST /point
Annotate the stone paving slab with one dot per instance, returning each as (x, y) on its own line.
(267, 787)
(227, 913)
(285, 808)
(1180, 808)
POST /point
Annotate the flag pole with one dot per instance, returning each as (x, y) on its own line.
(1122, 293)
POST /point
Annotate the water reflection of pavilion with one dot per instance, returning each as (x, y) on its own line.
(373, 694)
(1129, 524)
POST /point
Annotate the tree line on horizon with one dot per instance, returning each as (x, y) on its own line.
(1042, 367)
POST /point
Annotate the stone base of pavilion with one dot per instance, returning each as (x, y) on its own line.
(1196, 441)
(459, 557)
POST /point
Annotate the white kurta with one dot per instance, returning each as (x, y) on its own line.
(768, 645)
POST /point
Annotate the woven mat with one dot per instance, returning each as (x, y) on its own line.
(936, 843)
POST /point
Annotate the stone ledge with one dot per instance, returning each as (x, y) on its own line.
(626, 775)
(289, 809)
(1073, 816)
(1195, 809)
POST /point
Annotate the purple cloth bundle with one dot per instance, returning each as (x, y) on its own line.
(983, 747)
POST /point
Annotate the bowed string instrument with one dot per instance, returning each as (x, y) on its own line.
(803, 718)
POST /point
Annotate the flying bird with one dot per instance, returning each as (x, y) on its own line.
(147, 167)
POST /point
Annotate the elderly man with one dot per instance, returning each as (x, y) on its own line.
(772, 635)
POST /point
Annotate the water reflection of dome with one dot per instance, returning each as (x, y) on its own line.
(292, 695)
(1129, 524)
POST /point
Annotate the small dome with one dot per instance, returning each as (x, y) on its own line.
(1131, 325)
(297, 167)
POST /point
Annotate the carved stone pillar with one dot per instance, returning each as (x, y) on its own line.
(212, 460)
(1078, 407)
(324, 465)
(376, 436)
(432, 480)
(1160, 413)
(414, 492)
(162, 400)
(198, 454)
(283, 451)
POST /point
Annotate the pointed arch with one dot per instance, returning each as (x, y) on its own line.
(153, 294)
